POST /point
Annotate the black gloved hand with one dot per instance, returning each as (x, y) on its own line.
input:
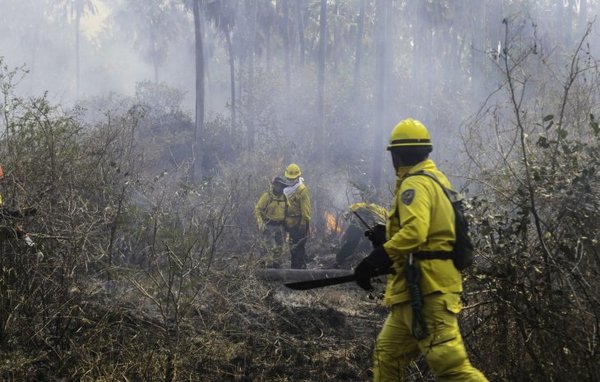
(377, 263)
(376, 235)
(20, 231)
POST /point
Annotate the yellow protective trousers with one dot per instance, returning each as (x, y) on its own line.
(443, 348)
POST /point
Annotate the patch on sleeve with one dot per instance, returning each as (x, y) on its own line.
(408, 196)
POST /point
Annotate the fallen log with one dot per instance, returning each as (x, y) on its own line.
(288, 275)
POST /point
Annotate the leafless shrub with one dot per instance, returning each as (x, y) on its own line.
(533, 303)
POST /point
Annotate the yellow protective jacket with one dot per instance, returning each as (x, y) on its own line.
(421, 219)
(299, 210)
(270, 208)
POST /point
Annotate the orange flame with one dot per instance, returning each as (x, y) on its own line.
(331, 224)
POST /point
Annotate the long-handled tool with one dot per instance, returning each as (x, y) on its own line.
(328, 281)
(319, 283)
(361, 219)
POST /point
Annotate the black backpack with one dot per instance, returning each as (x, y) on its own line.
(462, 252)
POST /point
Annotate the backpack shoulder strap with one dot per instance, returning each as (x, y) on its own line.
(431, 176)
(452, 195)
(268, 203)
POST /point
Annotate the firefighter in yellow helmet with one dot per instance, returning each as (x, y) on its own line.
(361, 217)
(420, 223)
(298, 214)
(270, 218)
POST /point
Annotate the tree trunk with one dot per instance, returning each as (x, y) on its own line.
(583, 14)
(301, 41)
(429, 68)
(380, 78)
(77, 36)
(335, 32)
(199, 52)
(319, 144)
(477, 49)
(268, 45)
(562, 23)
(422, 51)
(286, 43)
(155, 66)
(155, 53)
(452, 56)
(359, 46)
(250, 92)
(231, 78)
(390, 83)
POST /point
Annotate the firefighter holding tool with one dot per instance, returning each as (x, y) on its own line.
(423, 289)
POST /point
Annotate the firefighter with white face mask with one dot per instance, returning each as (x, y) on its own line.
(298, 215)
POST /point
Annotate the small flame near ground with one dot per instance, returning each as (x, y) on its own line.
(331, 223)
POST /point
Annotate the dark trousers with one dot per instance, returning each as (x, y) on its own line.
(274, 234)
(273, 244)
(297, 242)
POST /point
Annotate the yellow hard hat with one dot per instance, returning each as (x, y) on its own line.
(292, 171)
(409, 133)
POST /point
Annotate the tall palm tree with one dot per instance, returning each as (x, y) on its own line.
(321, 79)
(199, 54)
(223, 15)
(153, 26)
(78, 9)
(380, 89)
